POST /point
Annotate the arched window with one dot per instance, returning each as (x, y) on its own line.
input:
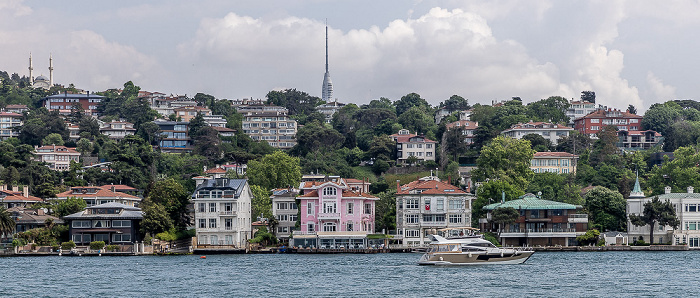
(329, 191)
(329, 227)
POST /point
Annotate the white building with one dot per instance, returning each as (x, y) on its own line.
(57, 158)
(580, 108)
(427, 204)
(222, 212)
(329, 109)
(687, 207)
(8, 122)
(118, 130)
(285, 210)
(549, 131)
(408, 144)
(275, 127)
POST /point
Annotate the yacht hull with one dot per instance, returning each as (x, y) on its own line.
(463, 258)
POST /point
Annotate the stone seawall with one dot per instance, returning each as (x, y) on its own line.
(614, 248)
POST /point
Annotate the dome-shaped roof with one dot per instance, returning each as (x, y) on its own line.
(41, 78)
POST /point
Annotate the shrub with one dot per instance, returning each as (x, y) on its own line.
(166, 236)
(112, 247)
(491, 238)
(67, 245)
(97, 245)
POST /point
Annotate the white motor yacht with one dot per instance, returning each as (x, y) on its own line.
(469, 249)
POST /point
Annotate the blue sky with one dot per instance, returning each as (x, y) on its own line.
(628, 52)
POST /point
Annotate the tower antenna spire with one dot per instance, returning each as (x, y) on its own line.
(327, 88)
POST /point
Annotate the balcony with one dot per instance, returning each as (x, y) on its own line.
(227, 213)
(328, 216)
(578, 218)
(538, 233)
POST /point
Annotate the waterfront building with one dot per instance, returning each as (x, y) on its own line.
(408, 144)
(541, 222)
(13, 197)
(112, 223)
(285, 211)
(96, 195)
(468, 129)
(333, 215)
(175, 136)
(57, 158)
(64, 103)
(9, 122)
(549, 131)
(118, 130)
(687, 207)
(29, 218)
(275, 127)
(222, 212)
(428, 204)
(554, 162)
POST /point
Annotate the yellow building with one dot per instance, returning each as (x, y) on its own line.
(554, 162)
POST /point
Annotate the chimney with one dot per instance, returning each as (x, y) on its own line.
(15, 188)
(690, 189)
(398, 187)
(667, 189)
(25, 191)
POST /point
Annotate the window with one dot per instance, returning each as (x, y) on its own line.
(228, 208)
(455, 218)
(121, 237)
(202, 223)
(351, 206)
(212, 207)
(434, 218)
(427, 204)
(412, 233)
(456, 204)
(429, 146)
(411, 203)
(595, 127)
(281, 206)
(100, 224)
(349, 228)
(282, 217)
(329, 207)
(81, 224)
(228, 224)
(534, 213)
(411, 218)
(329, 191)
(556, 212)
(310, 227)
(440, 206)
(293, 217)
(368, 208)
(121, 223)
(329, 227)
(309, 208)
(202, 207)
(595, 120)
(212, 223)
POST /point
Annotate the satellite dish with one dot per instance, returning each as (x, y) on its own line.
(539, 193)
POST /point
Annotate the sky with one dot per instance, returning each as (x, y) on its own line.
(627, 52)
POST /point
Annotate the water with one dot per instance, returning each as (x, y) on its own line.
(554, 274)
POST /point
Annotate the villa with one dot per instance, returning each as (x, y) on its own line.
(112, 223)
(222, 212)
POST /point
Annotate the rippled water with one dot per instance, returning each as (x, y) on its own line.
(555, 274)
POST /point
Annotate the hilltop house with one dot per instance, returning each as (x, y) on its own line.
(408, 144)
(553, 162)
(427, 204)
(15, 198)
(549, 131)
(57, 158)
(541, 222)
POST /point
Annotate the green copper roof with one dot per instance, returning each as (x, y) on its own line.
(531, 202)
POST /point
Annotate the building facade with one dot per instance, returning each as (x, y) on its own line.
(467, 127)
(57, 158)
(174, 136)
(580, 108)
(285, 211)
(276, 128)
(408, 144)
(64, 103)
(541, 222)
(554, 162)
(638, 139)
(549, 131)
(13, 197)
(594, 122)
(428, 204)
(222, 212)
(112, 223)
(8, 123)
(687, 207)
(188, 113)
(118, 130)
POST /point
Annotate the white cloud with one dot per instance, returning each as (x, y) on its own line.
(14, 8)
(661, 91)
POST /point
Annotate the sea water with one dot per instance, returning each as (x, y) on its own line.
(545, 274)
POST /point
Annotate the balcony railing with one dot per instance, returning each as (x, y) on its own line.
(227, 213)
(329, 216)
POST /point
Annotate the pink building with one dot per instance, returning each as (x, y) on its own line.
(331, 206)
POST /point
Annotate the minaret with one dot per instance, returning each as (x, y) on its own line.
(31, 69)
(327, 89)
(50, 71)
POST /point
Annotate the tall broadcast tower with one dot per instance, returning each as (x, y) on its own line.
(327, 89)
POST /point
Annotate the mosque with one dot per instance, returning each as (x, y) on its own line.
(41, 81)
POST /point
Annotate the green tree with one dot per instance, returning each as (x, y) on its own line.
(410, 100)
(607, 209)
(455, 103)
(385, 211)
(503, 217)
(591, 237)
(505, 159)
(553, 109)
(678, 173)
(588, 96)
(155, 219)
(7, 223)
(174, 197)
(69, 206)
(656, 211)
(84, 146)
(316, 136)
(418, 119)
(661, 116)
(53, 139)
(382, 148)
(538, 142)
(490, 192)
(297, 102)
(261, 204)
(274, 171)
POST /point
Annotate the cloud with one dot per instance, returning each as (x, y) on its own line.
(440, 53)
(14, 8)
(661, 91)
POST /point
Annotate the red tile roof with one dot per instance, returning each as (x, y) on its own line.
(215, 171)
(429, 187)
(101, 192)
(603, 114)
(462, 123)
